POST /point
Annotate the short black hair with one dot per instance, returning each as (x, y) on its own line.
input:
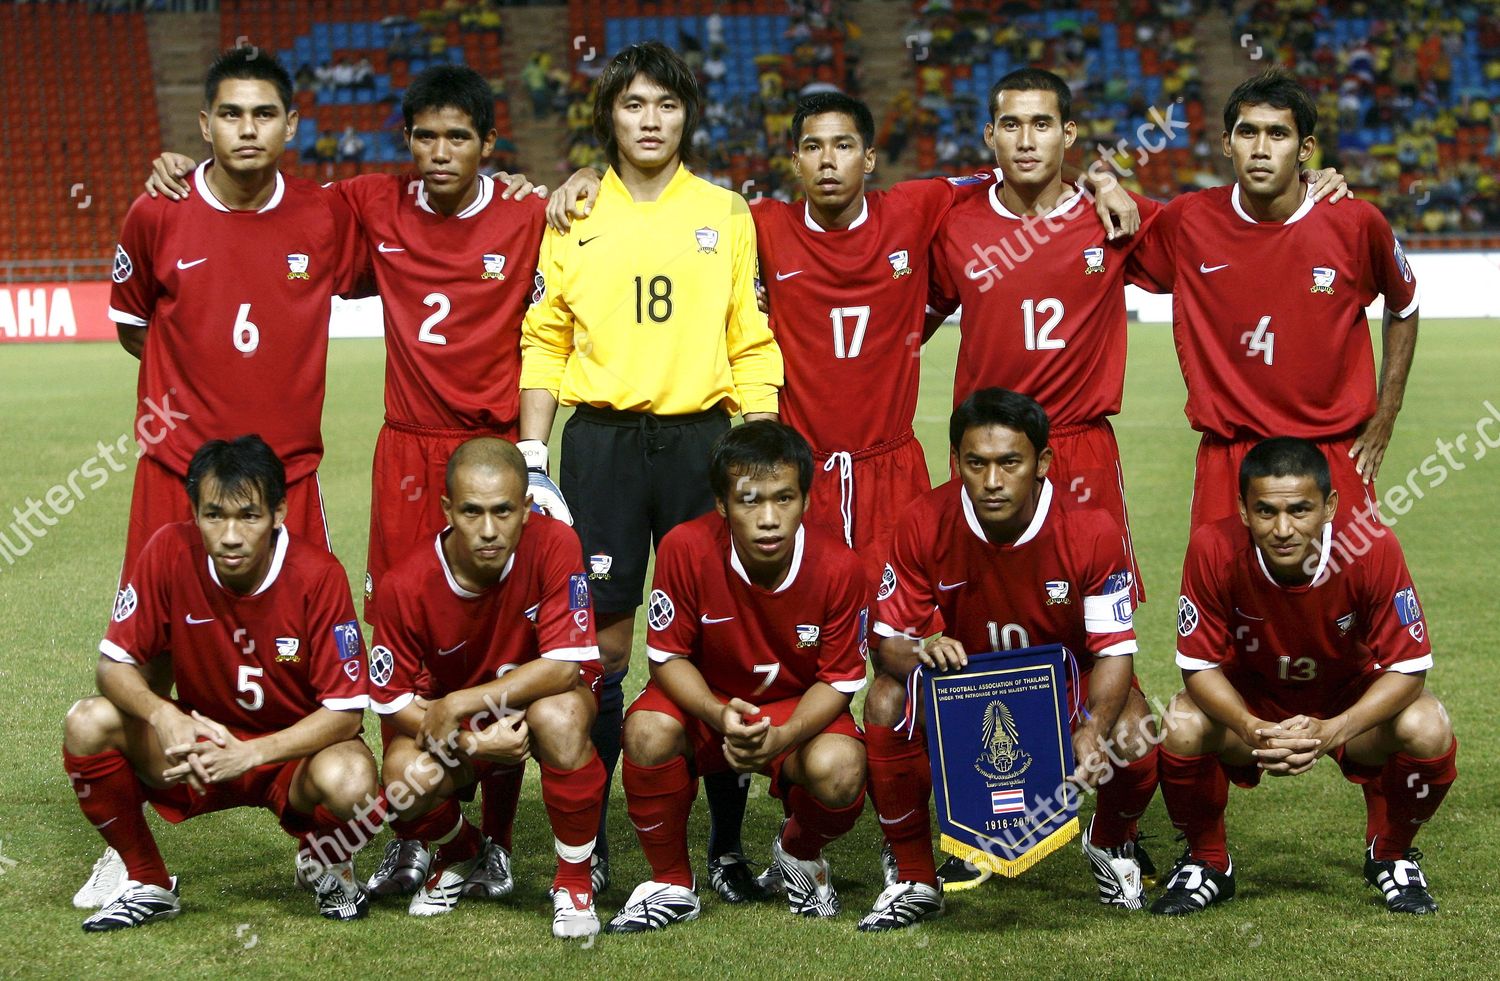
(999, 407)
(662, 65)
(1285, 456)
(1034, 80)
(755, 449)
(240, 467)
(488, 452)
(451, 87)
(248, 62)
(1274, 87)
(820, 103)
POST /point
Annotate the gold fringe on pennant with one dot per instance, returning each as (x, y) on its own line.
(1012, 867)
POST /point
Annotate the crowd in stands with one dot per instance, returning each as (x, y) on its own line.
(1407, 94)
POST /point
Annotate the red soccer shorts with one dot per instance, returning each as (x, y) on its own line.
(1086, 473)
(265, 786)
(707, 747)
(861, 496)
(406, 485)
(1216, 482)
(159, 499)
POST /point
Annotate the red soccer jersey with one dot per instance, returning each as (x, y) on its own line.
(847, 308)
(426, 620)
(1065, 580)
(1299, 650)
(1043, 302)
(754, 643)
(454, 291)
(1269, 319)
(256, 663)
(237, 305)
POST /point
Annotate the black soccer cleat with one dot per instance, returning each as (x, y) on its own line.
(734, 879)
(1193, 887)
(1401, 882)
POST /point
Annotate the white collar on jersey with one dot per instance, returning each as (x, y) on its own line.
(200, 177)
(1301, 212)
(798, 543)
(1324, 553)
(864, 212)
(480, 202)
(1062, 207)
(459, 591)
(278, 557)
(1043, 508)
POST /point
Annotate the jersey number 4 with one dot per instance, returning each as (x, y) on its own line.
(1260, 341)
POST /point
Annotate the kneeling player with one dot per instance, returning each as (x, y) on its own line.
(269, 664)
(495, 609)
(996, 558)
(1293, 646)
(756, 645)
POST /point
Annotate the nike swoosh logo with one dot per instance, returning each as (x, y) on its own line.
(443, 653)
(1246, 615)
(585, 241)
(781, 276)
(189, 265)
(382, 247)
(945, 586)
(192, 620)
(1204, 267)
(899, 819)
(980, 274)
(650, 829)
(708, 619)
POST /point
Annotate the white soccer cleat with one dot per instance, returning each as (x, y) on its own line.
(889, 871)
(1117, 873)
(340, 895)
(136, 905)
(104, 883)
(492, 877)
(809, 883)
(655, 905)
(901, 905)
(402, 869)
(444, 885)
(573, 914)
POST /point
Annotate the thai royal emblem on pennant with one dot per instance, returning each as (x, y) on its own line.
(999, 739)
(296, 265)
(1323, 278)
(494, 266)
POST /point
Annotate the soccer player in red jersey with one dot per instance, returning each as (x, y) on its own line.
(757, 643)
(1269, 292)
(999, 558)
(226, 301)
(270, 689)
(490, 624)
(1297, 641)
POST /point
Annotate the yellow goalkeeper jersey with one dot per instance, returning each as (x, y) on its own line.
(650, 306)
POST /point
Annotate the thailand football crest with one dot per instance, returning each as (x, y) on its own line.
(807, 635)
(296, 265)
(286, 650)
(1323, 278)
(599, 565)
(900, 261)
(1093, 261)
(707, 238)
(494, 267)
(1057, 592)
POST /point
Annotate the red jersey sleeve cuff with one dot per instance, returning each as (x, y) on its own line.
(128, 319)
(350, 704)
(848, 686)
(395, 705)
(115, 652)
(660, 656)
(1416, 664)
(572, 654)
(1411, 308)
(1119, 649)
(1194, 664)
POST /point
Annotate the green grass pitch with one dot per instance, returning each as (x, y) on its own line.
(1302, 908)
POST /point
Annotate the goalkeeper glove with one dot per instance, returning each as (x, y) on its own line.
(546, 498)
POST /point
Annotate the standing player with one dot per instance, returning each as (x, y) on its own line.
(1294, 647)
(757, 644)
(270, 680)
(226, 301)
(999, 557)
(499, 621)
(1269, 292)
(648, 324)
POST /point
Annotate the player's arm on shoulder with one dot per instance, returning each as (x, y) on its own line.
(1327, 183)
(575, 199)
(754, 357)
(168, 177)
(1116, 208)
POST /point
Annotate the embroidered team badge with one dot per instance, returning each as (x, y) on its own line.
(708, 239)
(125, 603)
(900, 261)
(578, 592)
(347, 640)
(887, 583)
(599, 565)
(531, 613)
(1345, 622)
(1323, 278)
(1187, 616)
(382, 664)
(494, 267)
(1093, 261)
(124, 268)
(1057, 592)
(286, 650)
(660, 611)
(807, 635)
(296, 265)
(1401, 262)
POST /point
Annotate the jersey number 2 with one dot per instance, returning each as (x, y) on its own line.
(428, 334)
